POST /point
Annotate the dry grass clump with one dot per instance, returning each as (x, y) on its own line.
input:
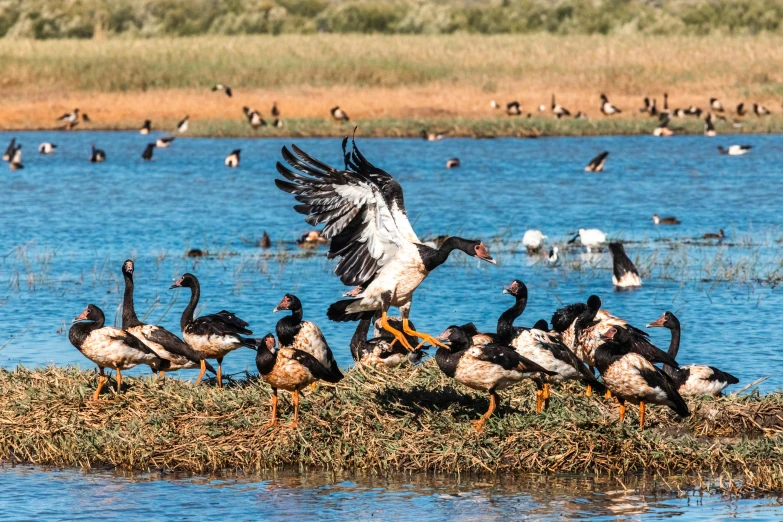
(408, 420)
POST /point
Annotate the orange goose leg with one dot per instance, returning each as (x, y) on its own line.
(608, 394)
(493, 404)
(622, 412)
(101, 380)
(641, 415)
(220, 373)
(119, 380)
(546, 395)
(396, 333)
(589, 392)
(296, 410)
(272, 422)
(425, 338)
(203, 371)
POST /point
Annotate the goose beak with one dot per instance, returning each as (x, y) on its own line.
(444, 337)
(276, 309)
(81, 317)
(609, 334)
(177, 284)
(483, 253)
(657, 324)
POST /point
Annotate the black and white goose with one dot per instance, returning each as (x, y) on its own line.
(488, 367)
(275, 111)
(293, 332)
(182, 126)
(85, 118)
(558, 110)
(632, 378)
(453, 163)
(288, 369)
(147, 154)
(654, 108)
(210, 336)
(624, 272)
(735, 150)
(540, 346)
(70, 117)
(220, 87)
(607, 108)
(16, 159)
(597, 164)
(165, 344)
(162, 143)
(146, 127)
(338, 114)
(110, 347)
(760, 110)
(671, 220)
(741, 109)
(232, 160)
(581, 326)
(10, 150)
(46, 147)
(709, 127)
(364, 214)
(513, 108)
(381, 350)
(253, 117)
(646, 107)
(97, 155)
(716, 105)
(663, 128)
(693, 379)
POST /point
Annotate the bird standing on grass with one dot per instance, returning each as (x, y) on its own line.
(165, 344)
(632, 378)
(70, 117)
(364, 214)
(225, 88)
(558, 110)
(288, 369)
(607, 108)
(210, 336)
(513, 108)
(488, 367)
(693, 379)
(339, 115)
(110, 347)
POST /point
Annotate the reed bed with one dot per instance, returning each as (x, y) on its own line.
(412, 420)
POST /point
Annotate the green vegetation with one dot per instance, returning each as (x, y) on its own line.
(407, 420)
(42, 19)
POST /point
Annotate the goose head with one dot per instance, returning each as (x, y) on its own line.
(127, 268)
(667, 320)
(517, 288)
(91, 313)
(186, 281)
(289, 302)
(454, 338)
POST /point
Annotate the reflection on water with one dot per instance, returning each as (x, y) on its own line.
(34, 493)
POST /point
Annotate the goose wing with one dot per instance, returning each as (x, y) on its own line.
(169, 341)
(361, 208)
(222, 323)
(131, 341)
(507, 358)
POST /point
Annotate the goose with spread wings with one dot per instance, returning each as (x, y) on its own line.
(363, 213)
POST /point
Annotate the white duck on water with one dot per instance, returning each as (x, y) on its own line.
(590, 238)
(363, 210)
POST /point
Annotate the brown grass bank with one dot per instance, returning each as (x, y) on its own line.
(409, 420)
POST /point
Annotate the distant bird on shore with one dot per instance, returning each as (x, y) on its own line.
(146, 127)
(253, 117)
(10, 150)
(580, 116)
(533, 240)
(735, 150)
(558, 110)
(85, 118)
(453, 163)
(70, 117)
(210, 336)
(338, 114)
(653, 108)
(663, 129)
(741, 109)
(721, 235)
(275, 111)
(709, 127)
(162, 143)
(110, 347)
(182, 126)
(597, 164)
(760, 110)
(665, 221)
(277, 123)
(624, 272)
(646, 107)
(513, 108)
(147, 154)
(607, 108)
(716, 105)
(694, 111)
(232, 160)
(590, 238)
(494, 104)
(46, 147)
(97, 155)
(693, 379)
(225, 88)
(431, 136)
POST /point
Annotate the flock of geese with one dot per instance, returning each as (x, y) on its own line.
(382, 262)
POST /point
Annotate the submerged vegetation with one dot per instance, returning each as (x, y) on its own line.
(144, 18)
(381, 421)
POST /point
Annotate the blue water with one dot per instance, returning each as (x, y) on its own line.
(68, 225)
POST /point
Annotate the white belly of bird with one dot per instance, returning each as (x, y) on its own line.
(211, 346)
(625, 381)
(698, 382)
(176, 362)
(311, 340)
(628, 280)
(483, 375)
(401, 277)
(104, 351)
(374, 359)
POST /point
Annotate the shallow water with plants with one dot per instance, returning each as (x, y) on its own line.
(69, 225)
